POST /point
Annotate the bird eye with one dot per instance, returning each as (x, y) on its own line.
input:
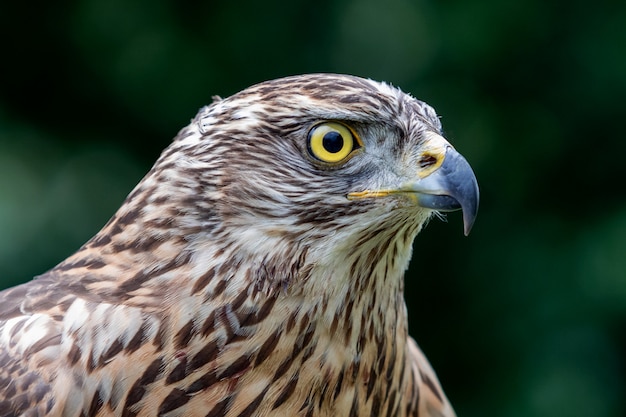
(331, 142)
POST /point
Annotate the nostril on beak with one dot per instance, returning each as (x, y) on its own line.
(427, 160)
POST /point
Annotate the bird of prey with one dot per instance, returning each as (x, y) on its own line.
(256, 270)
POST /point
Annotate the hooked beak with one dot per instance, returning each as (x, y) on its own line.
(450, 187)
(445, 183)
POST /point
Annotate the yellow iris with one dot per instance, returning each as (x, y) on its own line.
(331, 142)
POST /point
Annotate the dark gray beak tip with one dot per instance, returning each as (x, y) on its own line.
(470, 211)
(463, 186)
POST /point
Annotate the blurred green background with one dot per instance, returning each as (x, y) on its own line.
(525, 317)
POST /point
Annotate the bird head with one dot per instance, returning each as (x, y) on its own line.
(318, 152)
(321, 163)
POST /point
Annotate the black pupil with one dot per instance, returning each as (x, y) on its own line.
(332, 142)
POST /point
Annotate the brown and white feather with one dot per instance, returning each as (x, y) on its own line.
(237, 279)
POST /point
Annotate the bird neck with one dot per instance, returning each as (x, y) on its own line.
(347, 324)
(364, 292)
(329, 317)
(129, 254)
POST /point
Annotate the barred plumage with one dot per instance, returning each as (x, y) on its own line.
(245, 275)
